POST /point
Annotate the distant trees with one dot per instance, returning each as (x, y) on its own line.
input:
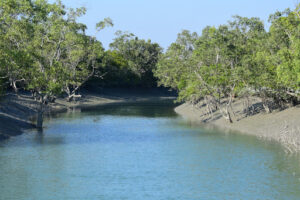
(116, 70)
(141, 56)
(174, 66)
(236, 59)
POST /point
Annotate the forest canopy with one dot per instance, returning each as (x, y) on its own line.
(237, 59)
(45, 50)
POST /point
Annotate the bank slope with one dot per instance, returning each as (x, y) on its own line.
(281, 126)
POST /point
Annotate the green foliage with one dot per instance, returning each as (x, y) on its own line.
(286, 28)
(44, 49)
(117, 71)
(235, 59)
(103, 24)
(141, 56)
(174, 67)
(15, 35)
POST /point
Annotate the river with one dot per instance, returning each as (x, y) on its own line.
(141, 152)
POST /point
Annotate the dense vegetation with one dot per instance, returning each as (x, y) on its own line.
(140, 58)
(238, 59)
(43, 49)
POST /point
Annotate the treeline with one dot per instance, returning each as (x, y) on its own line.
(238, 59)
(130, 62)
(43, 49)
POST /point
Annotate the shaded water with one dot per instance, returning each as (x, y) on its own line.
(142, 152)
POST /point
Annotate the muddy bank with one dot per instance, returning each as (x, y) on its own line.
(280, 126)
(18, 112)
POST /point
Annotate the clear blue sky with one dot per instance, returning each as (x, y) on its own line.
(161, 20)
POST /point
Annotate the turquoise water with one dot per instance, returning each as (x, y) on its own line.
(142, 152)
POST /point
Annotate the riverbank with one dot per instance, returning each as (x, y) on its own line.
(280, 126)
(18, 112)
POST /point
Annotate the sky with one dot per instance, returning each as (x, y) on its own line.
(161, 20)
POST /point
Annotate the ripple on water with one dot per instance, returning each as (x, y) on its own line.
(142, 152)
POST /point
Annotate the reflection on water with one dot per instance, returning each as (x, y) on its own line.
(142, 152)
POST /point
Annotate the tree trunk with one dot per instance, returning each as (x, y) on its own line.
(40, 117)
(247, 107)
(265, 102)
(266, 107)
(209, 111)
(226, 114)
(72, 94)
(232, 111)
(13, 84)
(72, 97)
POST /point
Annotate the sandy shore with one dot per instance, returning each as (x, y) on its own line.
(18, 113)
(280, 126)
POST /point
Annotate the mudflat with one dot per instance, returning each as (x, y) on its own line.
(18, 112)
(281, 126)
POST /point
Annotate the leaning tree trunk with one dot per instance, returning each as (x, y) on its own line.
(13, 84)
(72, 93)
(226, 114)
(225, 111)
(73, 97)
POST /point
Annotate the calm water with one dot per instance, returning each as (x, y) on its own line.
(142, 152)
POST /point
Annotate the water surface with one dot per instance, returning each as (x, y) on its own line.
(142, 152)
